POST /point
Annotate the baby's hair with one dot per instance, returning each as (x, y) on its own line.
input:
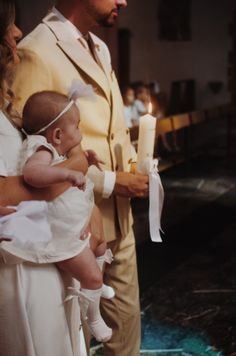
(41, 108)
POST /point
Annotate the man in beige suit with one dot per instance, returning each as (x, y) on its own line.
(57, 51)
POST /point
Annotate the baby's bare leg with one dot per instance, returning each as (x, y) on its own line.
(99, 247)
(84, 268)
(97, 242)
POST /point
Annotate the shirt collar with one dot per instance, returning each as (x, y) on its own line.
(73, 30)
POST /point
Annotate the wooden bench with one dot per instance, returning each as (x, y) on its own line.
(183, 130)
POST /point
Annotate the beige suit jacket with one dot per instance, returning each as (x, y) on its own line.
(50, 59)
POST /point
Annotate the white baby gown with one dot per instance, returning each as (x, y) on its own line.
(68, 215)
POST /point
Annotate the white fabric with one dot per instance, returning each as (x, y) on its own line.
(109, 183)
(10, 144)
(34, 320)
(68, 214)
(83, 351)
(140, 107)
(30, 145)
(30, 220)
(3, 171)
(96, 324)
(156, 197)
(107, 292)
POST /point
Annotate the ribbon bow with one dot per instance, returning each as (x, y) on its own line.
(83, 299)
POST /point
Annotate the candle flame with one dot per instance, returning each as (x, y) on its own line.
(150, 108)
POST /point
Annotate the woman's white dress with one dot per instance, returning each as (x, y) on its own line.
(68, 216)
(34, 320)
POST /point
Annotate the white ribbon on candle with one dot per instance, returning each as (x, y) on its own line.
(156, 197)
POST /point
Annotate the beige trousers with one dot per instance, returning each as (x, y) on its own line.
(122, 313)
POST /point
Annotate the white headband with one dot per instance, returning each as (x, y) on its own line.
(77, 90)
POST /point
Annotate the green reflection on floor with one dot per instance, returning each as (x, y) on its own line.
(160, 339)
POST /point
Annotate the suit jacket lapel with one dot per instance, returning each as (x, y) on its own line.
(106, 64)
(77, 53)
(102, 59)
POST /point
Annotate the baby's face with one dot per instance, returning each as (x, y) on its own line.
(71, 132)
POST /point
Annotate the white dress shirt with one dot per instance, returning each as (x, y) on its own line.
(140, 107)
(109, 176)
(131, 115)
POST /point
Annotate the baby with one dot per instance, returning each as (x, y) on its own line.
(130, 110)
(51, 122)
(142, 99)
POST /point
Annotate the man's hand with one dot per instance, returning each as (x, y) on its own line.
(5, 211)
(93, 159)
(131, 185)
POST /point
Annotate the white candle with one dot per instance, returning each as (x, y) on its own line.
(146, 138)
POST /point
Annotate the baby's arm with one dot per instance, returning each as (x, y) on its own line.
(39, 173)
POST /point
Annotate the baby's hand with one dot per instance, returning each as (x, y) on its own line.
(93, 159)
(77, 179)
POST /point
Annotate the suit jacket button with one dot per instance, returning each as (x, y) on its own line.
(112, 136)
(127, 131)
(117, 167)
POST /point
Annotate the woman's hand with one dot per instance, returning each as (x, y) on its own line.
(5, 211)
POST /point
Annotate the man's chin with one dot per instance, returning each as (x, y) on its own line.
(108, 22)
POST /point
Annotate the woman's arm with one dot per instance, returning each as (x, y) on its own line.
(13, 190)
(5, 211)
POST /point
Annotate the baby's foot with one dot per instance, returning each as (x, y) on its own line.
(100, 330)
(107, 292)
